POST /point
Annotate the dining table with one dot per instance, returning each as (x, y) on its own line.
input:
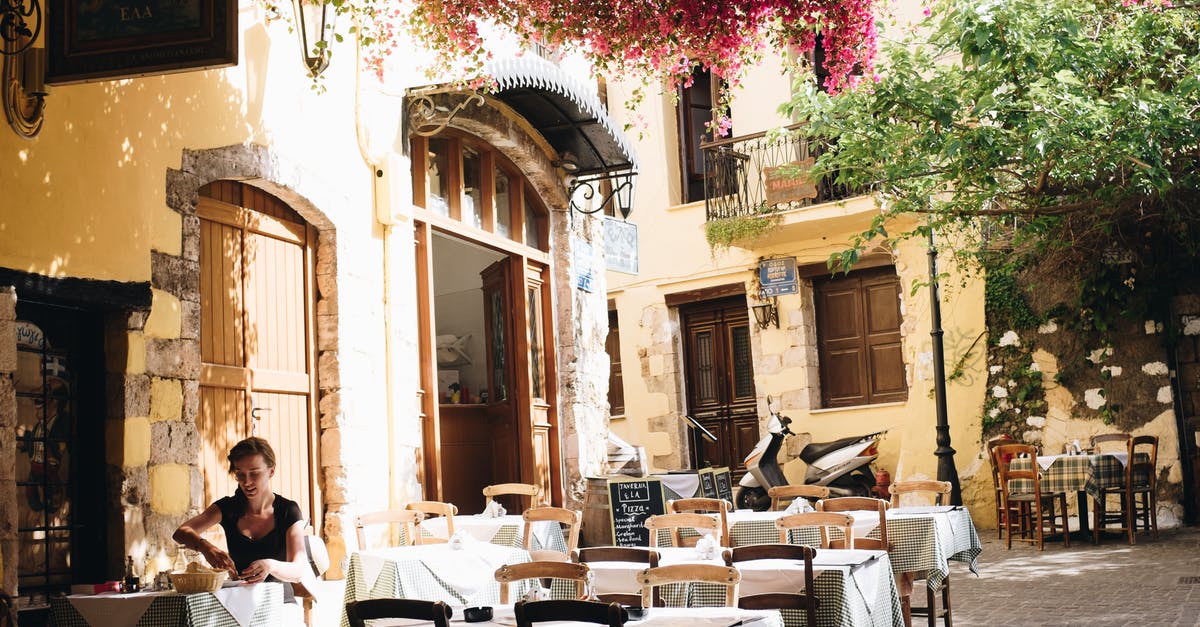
(670, 617)
(1084, 475)
(459, 573)
(507, 530)
(855, 587)
(236, 605)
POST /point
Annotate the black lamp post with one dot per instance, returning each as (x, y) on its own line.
(945, 453)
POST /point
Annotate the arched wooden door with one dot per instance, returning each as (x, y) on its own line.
(256, 338)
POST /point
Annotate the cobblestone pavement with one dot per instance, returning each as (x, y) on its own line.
(1149, 583)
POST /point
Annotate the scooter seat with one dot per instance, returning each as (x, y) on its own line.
(817, 450)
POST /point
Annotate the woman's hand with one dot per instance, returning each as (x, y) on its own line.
(258, 570)
(218, 558)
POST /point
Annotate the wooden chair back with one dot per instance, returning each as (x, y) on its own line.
(430, 509)
(359, 612)
(562, 516)
(991, 447)
(720, 507)
(781, 493)
(783, 601)
(779, 601)
(860, 504)
(823, 521)
(1102, 438)
(569, 571)
(727, 576)
(1007, 474)
(675, 522)
(938, 490)
(1137, 468)
(530, 612)
(515, 490)
(631, 554)
(405, 518)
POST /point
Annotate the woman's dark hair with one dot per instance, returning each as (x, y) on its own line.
(250, 447)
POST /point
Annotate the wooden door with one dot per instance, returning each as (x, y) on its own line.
(858, 331)
(502, 399)
(720, 381)
(256, 339)
(1186, 382)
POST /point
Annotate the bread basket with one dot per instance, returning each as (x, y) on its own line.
(191, 581)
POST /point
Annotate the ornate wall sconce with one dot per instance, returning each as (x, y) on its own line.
(312, 15)
(766, 314)
(24, 91)
(606, 187)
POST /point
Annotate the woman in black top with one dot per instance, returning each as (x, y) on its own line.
(264, 531)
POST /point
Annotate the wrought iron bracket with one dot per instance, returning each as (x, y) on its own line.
(425, 111)
(619, 191)
(15, 29)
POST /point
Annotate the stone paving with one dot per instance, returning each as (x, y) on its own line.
(1113, 583)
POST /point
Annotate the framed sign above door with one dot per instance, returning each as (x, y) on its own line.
(90, 40)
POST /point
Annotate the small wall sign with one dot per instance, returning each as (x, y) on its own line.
(789, 183)
(777, 276)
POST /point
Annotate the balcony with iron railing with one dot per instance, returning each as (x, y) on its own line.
(765, 173)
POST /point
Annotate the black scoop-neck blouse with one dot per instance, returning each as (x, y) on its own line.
(273, 545)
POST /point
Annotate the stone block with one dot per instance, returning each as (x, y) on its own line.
(128, 395)
(327, 332)
(136, 320)
(768, 365)
(166, 399)
(135, 487)
(8, 402)
(176, 275)
(178, 359)
(170, 488)
(331, 440)
(328, 370)
(8, 303)
(136, 436)
(329, 408)
(166, 314)
(173, 442)
(795, 358)
(189, 324)
(182, 191)
(191, 400)
(334, 491)
(190, 227)
(8, 346)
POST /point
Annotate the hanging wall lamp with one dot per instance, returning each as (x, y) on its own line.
(312, 24)
(766, 314)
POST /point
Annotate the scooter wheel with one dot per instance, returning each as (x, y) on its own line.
(752, 498)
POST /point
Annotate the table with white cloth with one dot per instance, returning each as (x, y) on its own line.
(924, 539)
(457, 574)
(506, 530)
(855, 587)
(655, 617)
(239, 605)
(1085, 475)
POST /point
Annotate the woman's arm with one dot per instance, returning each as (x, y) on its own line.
(188, 534)
(292, 570)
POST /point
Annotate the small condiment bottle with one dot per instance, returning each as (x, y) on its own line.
(132, 581)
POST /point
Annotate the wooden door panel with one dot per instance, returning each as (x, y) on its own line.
(275, 304)
(220, 423)
(220, 294)
(282, 420)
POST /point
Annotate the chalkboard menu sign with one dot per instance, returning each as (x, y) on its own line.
(631, 501)
(724, 483)
(708, 483)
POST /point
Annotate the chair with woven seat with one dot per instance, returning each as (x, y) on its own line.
(781, 493)
(936, 491)
(558, 515)
(939, 491)
(569, 571)
(701, 523)
(821, 520)
(1001, 514)
(720, 507)
(430, 509)
(510, 495)
(530, 612)
(860, 504)
(359, 612)
(1140, 481)
(726, 576)
(407, 520)
(1038, 507)
(630, 554)
(806, 601)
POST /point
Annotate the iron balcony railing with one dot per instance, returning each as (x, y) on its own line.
(764, 173)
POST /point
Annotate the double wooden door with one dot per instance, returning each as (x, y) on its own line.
(257, 373)
(720, 381)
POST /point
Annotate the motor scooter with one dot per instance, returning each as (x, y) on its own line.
(844, 466)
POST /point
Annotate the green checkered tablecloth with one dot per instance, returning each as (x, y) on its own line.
(436, 572)
(923, 541)
(170, 609)
(504, 531)
(1077, 473)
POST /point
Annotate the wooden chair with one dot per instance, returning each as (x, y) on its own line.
(938, 490)
(531, 612)
(1103, 438)
(407, 519)
(779, 601)
(429, 509)
(675, 522)
(542, 570)
(822, 520)
(859, 504)
(515, 490)
(636, 555)
(317, 555)
(727, 576)
(558, 515)
(1140, 480)
(720, 507)
(1038, 506)
(1001, 514)
(780, 493)
(359, 612)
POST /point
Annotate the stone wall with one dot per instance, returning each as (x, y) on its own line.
(8, 441)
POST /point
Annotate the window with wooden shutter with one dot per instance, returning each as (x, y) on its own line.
(616, 383)
(858, 335)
